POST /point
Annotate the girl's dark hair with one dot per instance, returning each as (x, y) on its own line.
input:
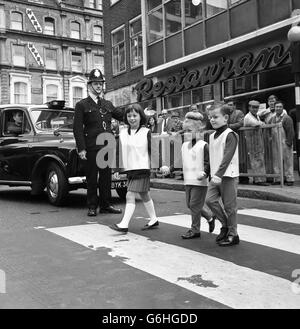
(138, 109)
(154, 118)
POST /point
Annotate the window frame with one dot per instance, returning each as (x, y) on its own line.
(72, 31)
(136, 36)
(52, 20)
(56, 63)
(101, 33)
(81, 56)
(19, 77)
(122, 27)
(14, 46)
(13, 21)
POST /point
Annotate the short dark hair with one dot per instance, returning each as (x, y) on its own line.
(138, 109)
(224, 108)
(279, 102)
(273, 96)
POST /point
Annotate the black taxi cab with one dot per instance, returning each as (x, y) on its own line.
(37, 149)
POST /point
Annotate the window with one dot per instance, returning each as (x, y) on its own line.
(75, 30)
(173, 16)
(155, 22)
(51, 59)
(51, 92)
(153, 4)
(92, 3)
(18, 55)
(240, 85)
(136, 43)
(15, 123)
(20, 93)
(16, 22)
(97, 33)
(100, 5)
(214, 7)
(118, 51)
(76, 62)
(49, 26)
(77, 94)
(99, 63)
(193, 13)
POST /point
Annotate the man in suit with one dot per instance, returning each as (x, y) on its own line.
(93, 116)
(165, 124)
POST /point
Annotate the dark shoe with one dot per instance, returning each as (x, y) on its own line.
(222, 235)
(229, 241)
(211, 224)
(289, 183)
(149, 227)
(110, 210)
(261, 184)
(276, 183)
(190, 235)
(119, 229)
(92, 212)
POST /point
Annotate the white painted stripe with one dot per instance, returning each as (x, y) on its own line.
(222, 281)
(261, 236)
(274, 215)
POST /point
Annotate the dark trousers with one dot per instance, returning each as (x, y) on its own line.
(95, 181)
(195, 197)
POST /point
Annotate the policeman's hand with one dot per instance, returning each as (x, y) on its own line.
(201, 175)
(216, 180)
(82, 155)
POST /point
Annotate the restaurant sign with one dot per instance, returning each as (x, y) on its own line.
(225, 68)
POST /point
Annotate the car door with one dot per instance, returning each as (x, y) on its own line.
(14, 148)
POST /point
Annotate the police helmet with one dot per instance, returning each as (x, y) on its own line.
(95, 76)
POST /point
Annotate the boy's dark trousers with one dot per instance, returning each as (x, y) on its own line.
(195, 198)
(222, 200)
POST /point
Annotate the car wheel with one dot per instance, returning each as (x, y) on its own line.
(122, 192)
(56, 185)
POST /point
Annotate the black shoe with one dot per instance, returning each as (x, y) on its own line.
(149, 227)
(211, 224)
(111, 210)
(222, 234)
(261, 184)
(190, 235)
(276, 183)
(289, 183)
(92, 212)
(119, 229)
(229, 241)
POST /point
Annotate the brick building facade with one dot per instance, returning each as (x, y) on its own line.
(47, 49)
(123, 50)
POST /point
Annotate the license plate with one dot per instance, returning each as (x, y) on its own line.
(119, 184)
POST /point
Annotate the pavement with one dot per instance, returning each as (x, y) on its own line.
(272, 192)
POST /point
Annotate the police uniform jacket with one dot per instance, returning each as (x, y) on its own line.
(91, 119)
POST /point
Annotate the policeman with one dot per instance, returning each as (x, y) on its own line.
(92, 117)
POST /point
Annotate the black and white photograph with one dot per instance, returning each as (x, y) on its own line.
(149, 158)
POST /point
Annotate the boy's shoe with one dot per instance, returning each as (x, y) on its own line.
(222, 235)
(230, 240)
(211, 224)
(190, 235)
(92, 212)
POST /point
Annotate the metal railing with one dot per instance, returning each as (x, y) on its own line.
(260, 151)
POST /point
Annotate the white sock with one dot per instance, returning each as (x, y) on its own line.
(129, 210)
(151, 211)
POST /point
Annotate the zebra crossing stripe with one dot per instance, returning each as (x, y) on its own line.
(273, 215)
(269, 238)
(222, 281)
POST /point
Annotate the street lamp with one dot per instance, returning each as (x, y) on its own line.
(294, 38)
